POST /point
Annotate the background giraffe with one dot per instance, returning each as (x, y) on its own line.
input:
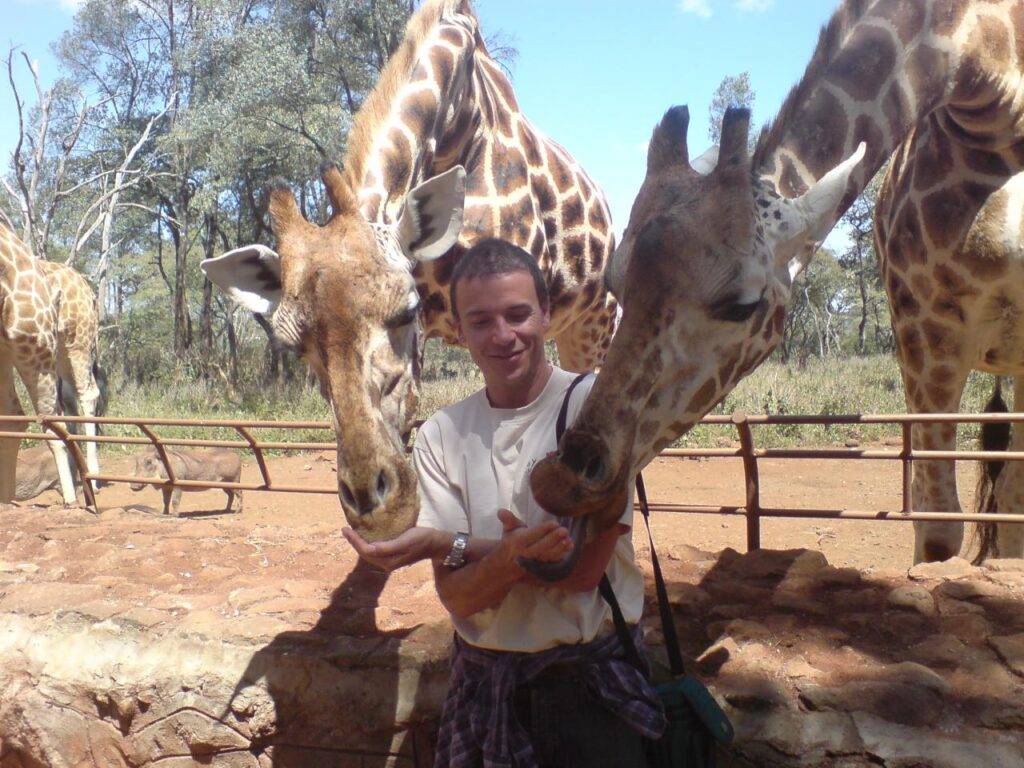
(29, 309)
(77, 346)
(938, 82)
(440, 131)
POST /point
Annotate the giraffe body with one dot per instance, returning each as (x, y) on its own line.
(708, 259)
(29, 311)
(439, 157)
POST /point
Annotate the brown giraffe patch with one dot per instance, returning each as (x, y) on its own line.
(865, 129)
(906, 244)
(922, 285)
(903, 300)
(991, 41)
(572, 214)
(510, 172)
(790, 183)
(1017, 22)
(939, 396)
(951, 280)
(988, 163)
(864, 63)
(925, 68)
(702, 398)
(820, 137)
(907, 17)
(596, 249)
(421, 113)
(936, 159)
(947, 15)
(516, 222)
(946, 212)
(940, 338)
(564, 178)
(911, 348)
(454, 36)
(528, 142)
(948, 308)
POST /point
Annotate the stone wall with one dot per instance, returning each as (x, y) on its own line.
(134, 640)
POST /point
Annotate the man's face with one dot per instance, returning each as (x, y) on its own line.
(503, 325)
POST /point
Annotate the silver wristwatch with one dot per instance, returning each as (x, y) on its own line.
(456, 557)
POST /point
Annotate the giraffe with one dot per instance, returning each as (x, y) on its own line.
(29, 310)
(707, 261)
(438, 158)
(77, 345)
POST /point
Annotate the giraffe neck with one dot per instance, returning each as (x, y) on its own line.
(878, 69)
(434, 119)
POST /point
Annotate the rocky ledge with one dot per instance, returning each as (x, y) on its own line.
(134, 640)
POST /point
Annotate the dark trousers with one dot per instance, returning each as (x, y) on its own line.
(571, 727)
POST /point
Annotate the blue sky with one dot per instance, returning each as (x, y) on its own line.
(595, 75)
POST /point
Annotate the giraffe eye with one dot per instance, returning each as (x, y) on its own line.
(403, 318)
(731, 311)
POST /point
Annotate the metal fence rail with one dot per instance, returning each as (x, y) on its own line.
(750, 455)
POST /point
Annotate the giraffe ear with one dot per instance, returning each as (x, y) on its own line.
(431, 217)
(250, 275)
(705, 164)
(818, 206)
(805, 221)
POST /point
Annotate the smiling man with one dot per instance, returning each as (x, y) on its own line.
(527, 654)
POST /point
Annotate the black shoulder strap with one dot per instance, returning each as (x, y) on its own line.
(668, 626)
(563, 414)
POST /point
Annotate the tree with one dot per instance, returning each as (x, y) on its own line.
(731, 92)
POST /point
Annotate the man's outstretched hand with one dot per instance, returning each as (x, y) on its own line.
(405, 549)
(547, 542)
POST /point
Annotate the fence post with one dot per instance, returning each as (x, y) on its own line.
(753, 503)
(76, 456)
(160, 451)
(258, 453)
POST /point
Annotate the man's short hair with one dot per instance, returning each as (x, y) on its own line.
(497, 257)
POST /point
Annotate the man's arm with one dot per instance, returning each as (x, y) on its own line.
(416, 544)
(485, 583)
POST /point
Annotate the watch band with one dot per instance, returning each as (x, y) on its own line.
(456, 557)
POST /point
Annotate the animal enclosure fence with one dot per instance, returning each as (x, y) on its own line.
(747, 452)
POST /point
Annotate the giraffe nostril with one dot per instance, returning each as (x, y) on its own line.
(382, 486)
(347, 496)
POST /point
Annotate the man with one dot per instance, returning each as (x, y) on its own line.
(539, 677)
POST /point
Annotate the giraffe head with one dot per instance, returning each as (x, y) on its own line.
(342, 296)
(703, 275)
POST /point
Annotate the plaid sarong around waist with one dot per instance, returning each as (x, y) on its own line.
(478, 722)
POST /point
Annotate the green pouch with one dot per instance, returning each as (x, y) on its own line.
(696, 724)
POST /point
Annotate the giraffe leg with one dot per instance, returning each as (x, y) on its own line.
(1009, 488)
(42, 388)
(933, 488)
(583, 344)
(9, 406)
(87, 393)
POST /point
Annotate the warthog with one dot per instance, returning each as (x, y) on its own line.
(218, 465)
(36, 473)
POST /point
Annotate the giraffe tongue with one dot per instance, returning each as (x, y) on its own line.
(555, 571)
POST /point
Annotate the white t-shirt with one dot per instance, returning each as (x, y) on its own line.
(472, 460)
